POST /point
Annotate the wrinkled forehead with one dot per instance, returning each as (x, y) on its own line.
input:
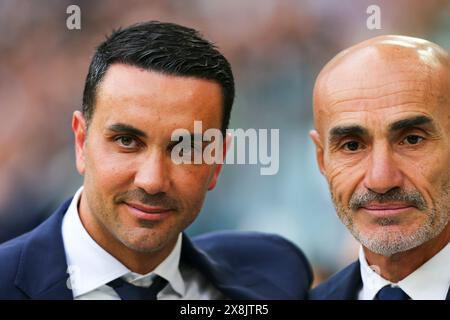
(377, 78)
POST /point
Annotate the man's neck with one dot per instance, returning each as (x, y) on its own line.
(398, 266)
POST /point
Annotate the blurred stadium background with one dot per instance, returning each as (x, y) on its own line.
(276, 49)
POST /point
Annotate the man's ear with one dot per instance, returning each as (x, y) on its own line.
(225, 146)
(319, 150)
(79, 130)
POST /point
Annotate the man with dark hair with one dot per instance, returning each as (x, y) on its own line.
(121, 235)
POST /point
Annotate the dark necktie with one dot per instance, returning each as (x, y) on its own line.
(391, 293)
(128, 291)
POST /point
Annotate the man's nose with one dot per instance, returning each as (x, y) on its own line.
(153, 173)
(382, 173)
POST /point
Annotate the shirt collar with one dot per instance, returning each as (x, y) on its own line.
(371, 279)
(167, 269)
(431, 281)
(90, 266)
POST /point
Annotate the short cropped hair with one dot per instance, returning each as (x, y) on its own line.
(162, 47)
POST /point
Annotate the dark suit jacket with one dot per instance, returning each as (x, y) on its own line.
(344, 285)
(242, 265)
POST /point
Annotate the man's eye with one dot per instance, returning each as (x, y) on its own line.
(126, 141)
(351, 146)
(412, 140)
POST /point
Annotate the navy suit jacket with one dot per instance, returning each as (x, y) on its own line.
(344, 285)
(242, 265)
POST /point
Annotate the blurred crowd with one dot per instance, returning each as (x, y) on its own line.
(276, 49)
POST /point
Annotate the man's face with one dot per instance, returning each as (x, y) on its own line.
(383, 143)
(135, 193)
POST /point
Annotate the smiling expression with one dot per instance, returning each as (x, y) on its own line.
(134, 195)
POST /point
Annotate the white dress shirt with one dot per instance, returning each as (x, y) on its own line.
(91, 267)
(431, 281)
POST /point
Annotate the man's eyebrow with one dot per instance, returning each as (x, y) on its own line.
(125, 128)
(411, 122)
(341, 131)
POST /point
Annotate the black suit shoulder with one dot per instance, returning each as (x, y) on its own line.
(236, 246)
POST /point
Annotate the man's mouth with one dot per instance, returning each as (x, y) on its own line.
(387, 209)
(147, 208)
(146, 212)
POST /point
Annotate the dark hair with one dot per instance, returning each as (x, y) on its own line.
(163, 47)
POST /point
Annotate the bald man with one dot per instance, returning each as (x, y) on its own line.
(382, 137)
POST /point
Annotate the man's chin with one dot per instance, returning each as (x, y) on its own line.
(144, 240)
(388, 229)
(144, 246)
(389, 240)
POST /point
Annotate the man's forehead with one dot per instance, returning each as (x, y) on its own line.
(137, 94)
(366, 73)
(378, 77)
(126, 81)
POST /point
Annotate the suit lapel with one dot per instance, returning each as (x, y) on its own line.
(354, 282)
(233, 284)
(42, 271)
(448, 294)
(347, 284)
